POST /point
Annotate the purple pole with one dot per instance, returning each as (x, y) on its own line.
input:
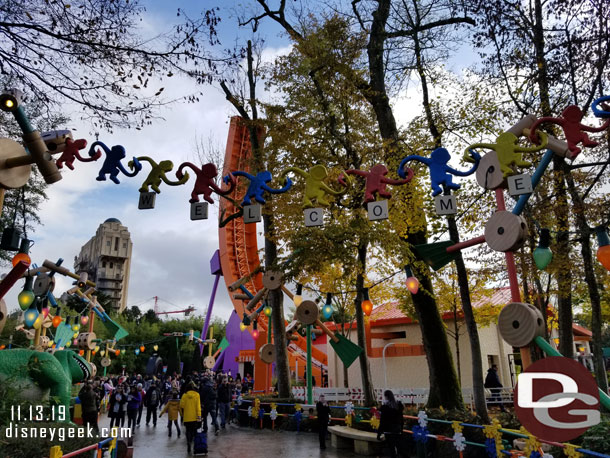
(204, 331)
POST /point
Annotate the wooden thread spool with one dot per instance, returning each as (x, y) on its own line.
(489, 173)
(307, 313)
(13, 177)
(43, 283)
(208, 362)
(93, 371)
(505, 231)
(267, 353)
(519, 324)
(85, 341)
(3, 314)
(272, 280)
(105, 361)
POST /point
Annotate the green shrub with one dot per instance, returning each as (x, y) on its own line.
(597, 438)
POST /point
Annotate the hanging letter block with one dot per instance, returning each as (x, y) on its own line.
(445, 205)
(314, 217)
(377, 210)
(252, 213)
(520, 184)
(199, 210)
(147, 200)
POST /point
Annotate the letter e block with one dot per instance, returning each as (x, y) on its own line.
(377, 210)
(147, 200)
(520, 184)
(314, 217)
(445, 205)
(199, 210)
(252, 213)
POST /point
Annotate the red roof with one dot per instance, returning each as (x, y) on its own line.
(580, 331)
(500, 296)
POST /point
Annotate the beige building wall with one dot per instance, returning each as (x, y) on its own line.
(106, 257)
(412, 371)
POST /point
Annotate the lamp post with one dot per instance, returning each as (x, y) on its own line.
(385, 372)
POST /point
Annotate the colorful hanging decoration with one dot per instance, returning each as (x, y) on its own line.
(315, 188)
(605, 111)
(71, 152)
(574, 131)
(26, 297)
(543, 254)
(157, 174)
(112, 164)
(205, 183)
(603, 250)
(258, 185)
(376, 181)
(367, 305)
(411, 282)
(440, 171)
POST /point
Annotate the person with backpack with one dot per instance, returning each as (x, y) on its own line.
(190, 409)
(172, 407)
(208, 398)
(151, 400)
(390, 423)
(88, 401)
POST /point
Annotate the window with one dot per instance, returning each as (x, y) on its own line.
(103, 263)
(124, 244)
(111, 265)
(116, 244)
(108, 243)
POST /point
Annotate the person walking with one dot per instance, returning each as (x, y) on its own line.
(151, 400)
(134, 400)
(225, 395)
(88, 401)
(208, 398)
(190, 409)
(116, 407)
(172, 407)
(142, 393)
(323, 411)
(492, 381)
(390, 424)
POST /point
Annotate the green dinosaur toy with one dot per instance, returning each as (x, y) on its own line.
(38, 374)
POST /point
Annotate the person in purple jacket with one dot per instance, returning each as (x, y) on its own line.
(134, 399)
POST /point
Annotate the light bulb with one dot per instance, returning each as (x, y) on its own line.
(30, 316)
(56, 321)
(45, 312)
(142, 348)
(155, 347)
(23, 255)
(84, 320)
(38, 323)
(543, 254)
(123, 351)
(367, 305)
(297, 299)
(603, 252)
(412, 282)
(26, 297)
(117, 352)
(102, 353)
(327, 311)
(242, 327)
(51, 344)
(81, 352)
(137, 351)
(75, 327)
(255, 334)
(267, 310)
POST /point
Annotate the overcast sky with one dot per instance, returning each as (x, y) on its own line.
(171, 253)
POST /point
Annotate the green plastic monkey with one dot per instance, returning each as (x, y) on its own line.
(508, 151)
(158, 173)
(315, 188)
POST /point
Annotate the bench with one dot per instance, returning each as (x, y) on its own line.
(362, 442)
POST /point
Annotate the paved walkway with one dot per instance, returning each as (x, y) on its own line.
(150, 442)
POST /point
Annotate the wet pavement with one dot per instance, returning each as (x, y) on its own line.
(235, 441)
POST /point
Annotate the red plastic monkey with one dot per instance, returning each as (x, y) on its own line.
(71, 152)
(204, 183)
(376, 181)
(574, 131)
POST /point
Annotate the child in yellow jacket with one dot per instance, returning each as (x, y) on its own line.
(172, 407)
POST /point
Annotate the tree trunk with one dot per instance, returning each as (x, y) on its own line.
(276, 302)
(444, 386)
(478, 390)
(365, 370)
(596, 309)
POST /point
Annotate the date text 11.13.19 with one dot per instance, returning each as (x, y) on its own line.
(37, 413)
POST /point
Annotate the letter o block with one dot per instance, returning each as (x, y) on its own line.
(519, 324)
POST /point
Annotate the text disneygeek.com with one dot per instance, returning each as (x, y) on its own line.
(63, 433)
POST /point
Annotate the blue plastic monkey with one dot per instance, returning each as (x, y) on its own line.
(440, 171)
(112, 164)
(258, 185)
